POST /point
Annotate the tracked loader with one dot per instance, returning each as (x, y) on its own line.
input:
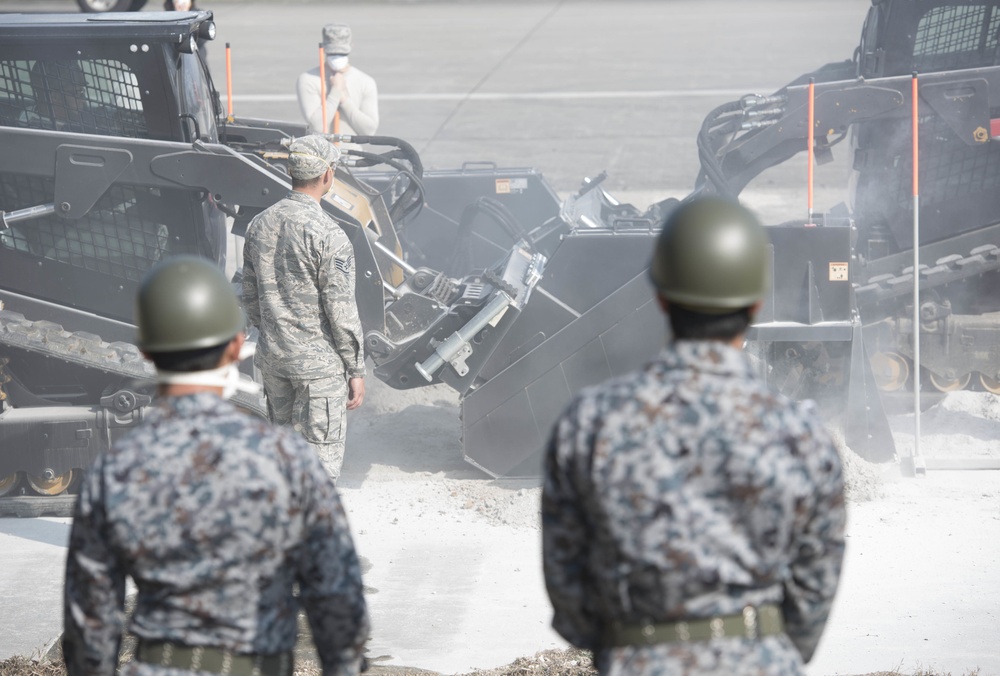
(117, 153)
(840, 327)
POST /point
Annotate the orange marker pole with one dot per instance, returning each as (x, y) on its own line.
(229, 80)
(810, 141)
(915, 95)
(336, 122)
(322, 84)
(916, 140)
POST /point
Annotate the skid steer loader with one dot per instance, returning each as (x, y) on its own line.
(840, 327)
(118, 154)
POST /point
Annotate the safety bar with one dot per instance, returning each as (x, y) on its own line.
(7, 218)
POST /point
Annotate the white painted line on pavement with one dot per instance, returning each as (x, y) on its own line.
(530, 96)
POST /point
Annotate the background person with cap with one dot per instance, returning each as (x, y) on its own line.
(66, 96)
(298, 289)
(59, 89)
(693, 520)
(214, 513)
(348, 90)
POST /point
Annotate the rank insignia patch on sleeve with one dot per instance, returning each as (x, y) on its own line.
(344, 264)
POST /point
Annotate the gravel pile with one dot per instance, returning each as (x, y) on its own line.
(862, 479)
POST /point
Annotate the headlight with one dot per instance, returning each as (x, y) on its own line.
(189, 44)
(206, 31)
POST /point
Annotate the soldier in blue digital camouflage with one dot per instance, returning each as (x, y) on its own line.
(693, 521)
(215, 514)
(298, 289)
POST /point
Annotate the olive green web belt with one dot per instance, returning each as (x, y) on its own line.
(752, 623)
(213, 660)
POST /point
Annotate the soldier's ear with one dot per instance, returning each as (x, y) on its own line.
(232, 352)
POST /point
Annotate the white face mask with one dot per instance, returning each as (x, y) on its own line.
(336, 64)
(227, 377)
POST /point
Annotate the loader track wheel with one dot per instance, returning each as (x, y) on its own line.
(942, 384)
(989, 384)
(54, 485)
(9, 484)
(891, 370)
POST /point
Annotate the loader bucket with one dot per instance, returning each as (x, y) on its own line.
(451, 234)
(591, 317)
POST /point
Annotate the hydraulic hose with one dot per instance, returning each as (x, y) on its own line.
(461, 260)
(411, 201)
(711, 168)
(412, 156)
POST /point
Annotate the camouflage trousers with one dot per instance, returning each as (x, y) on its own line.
(316, 409)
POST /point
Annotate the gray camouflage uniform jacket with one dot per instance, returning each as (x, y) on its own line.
(298, 289)
(215, 515)
(688, 490)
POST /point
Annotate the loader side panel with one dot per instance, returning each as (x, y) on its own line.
(94, 262)
(959, 184)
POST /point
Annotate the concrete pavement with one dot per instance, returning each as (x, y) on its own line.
(32, 559)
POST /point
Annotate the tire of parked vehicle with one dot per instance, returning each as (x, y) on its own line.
(110, 5)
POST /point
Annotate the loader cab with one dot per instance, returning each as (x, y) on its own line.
(141, 78)
(902, 36)
(77, 78)
(960, 182)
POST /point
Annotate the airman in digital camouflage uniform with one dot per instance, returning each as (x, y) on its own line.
(693, 521)
(298, 289)
(215, 515)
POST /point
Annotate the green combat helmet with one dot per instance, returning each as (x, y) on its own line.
(186, 303)
(711, 257)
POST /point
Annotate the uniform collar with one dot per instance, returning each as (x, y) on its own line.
(190, 404)
(707, 356)
(297, 196)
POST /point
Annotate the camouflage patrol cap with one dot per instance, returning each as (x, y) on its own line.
(311, 156)
(712, 256)
(186, 303)
(337, 38)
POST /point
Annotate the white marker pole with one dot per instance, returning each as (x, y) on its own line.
(919, 466)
